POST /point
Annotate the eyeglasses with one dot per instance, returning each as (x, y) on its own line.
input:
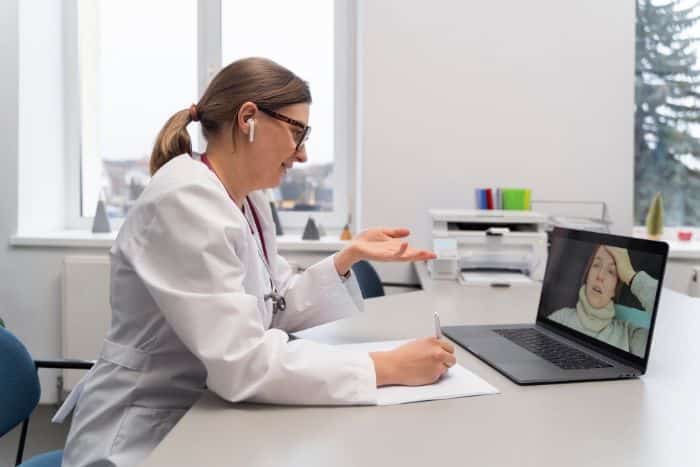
(299, 138)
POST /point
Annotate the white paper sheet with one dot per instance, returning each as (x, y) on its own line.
(457, 382)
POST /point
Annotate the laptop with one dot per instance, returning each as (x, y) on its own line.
(596, 314)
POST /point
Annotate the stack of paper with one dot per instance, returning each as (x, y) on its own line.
(457, 382)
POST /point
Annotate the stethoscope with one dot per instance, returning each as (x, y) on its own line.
(278, 301)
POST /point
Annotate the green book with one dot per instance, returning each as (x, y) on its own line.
(516, 199)
(528, 198)
(513, 199)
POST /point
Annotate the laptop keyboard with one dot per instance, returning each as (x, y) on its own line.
(561, 355)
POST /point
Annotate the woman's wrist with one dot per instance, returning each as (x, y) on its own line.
(383, 368)
(629, 276)
(631, 279)
(344, 260)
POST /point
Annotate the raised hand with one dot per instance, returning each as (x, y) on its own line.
(387, 244)
(379, 244)
(623, 263)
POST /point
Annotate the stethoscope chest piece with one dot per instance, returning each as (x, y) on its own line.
(278, 301)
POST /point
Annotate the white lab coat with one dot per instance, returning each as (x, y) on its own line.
(187, 286)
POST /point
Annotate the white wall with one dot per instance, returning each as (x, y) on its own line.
(454, 94)
(464, 94)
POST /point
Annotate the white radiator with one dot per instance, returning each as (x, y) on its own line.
(85, 310)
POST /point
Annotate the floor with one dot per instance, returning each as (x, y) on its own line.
(42, 436)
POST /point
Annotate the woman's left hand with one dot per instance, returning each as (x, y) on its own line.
(387, 245)
(623, 264)
(380, 244)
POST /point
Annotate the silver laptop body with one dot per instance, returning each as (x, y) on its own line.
(585, 330)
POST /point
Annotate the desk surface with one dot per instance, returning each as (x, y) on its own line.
(652, 421)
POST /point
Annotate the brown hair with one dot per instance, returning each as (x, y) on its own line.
(618, 285)
(257, 80)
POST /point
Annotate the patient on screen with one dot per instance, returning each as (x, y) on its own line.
(597, 314)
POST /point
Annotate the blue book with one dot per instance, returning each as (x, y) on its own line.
(482, 199)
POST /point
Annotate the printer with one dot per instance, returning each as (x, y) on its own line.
(489, 247)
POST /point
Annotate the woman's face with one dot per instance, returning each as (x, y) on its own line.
(275, 144)
(602, 279)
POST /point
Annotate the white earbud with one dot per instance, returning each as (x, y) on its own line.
(251, 132)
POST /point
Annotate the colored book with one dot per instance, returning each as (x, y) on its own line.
(528, 199)
(489, 198)
(514, 199)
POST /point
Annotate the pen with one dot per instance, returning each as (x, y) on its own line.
(438, 330)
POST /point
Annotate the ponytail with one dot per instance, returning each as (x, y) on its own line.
(253, 79)
(172, 140)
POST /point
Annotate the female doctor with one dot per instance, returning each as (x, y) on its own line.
(200, 297)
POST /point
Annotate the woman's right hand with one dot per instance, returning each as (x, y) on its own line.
(422, 361)
(623, 263)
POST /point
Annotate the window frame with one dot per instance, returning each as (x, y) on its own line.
(209, 59)
(73, 119)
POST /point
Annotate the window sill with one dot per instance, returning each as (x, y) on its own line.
(87, 239)
(65, 239)
(328, 243)
(683, 250)
(677, 249)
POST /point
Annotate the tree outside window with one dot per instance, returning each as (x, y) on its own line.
(667, 110)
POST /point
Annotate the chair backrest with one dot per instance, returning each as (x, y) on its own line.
(19, 387)
(368, 279)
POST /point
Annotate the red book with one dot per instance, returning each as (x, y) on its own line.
(489, 198)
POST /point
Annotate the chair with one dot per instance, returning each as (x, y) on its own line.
(368, 279)
(20, 390)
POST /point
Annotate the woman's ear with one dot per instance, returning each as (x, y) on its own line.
(246, 115)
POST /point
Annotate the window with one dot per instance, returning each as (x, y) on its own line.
(667, 110)
(133, 79)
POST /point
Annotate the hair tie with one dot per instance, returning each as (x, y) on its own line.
(194, 116)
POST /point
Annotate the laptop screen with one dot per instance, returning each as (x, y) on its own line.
(604, 287)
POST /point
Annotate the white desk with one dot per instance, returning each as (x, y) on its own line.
(653, 421)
